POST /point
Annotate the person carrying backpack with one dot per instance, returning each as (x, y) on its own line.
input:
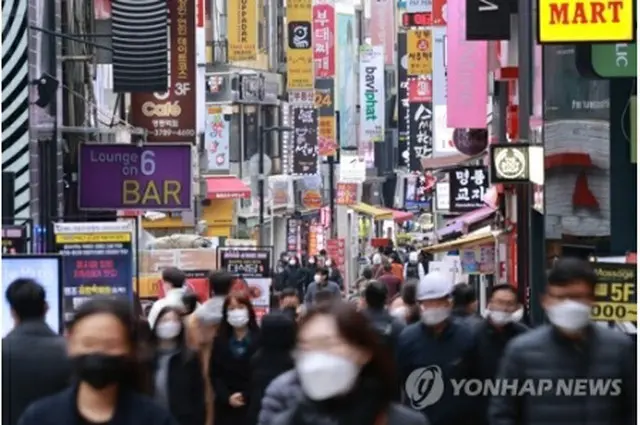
(414, 269)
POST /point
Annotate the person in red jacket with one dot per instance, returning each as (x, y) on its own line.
(392, 282)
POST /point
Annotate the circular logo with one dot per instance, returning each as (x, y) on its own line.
(511, 164)
(423, 45)
(424, 386)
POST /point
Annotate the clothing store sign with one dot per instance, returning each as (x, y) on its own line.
(467, 187)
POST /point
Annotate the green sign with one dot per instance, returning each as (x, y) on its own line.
(614, 60)
(634, 135)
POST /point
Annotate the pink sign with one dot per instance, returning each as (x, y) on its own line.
(467, 71)
(382, 27)
(324, 24)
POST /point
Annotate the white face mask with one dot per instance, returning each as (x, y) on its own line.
(292, 262)
(435, 316)
(517, 315)
(569, 315)
(317, 278)
(325, 375)
(327, 263)
(238, 318)
(168, 330)
(499, 318)
(312, 261)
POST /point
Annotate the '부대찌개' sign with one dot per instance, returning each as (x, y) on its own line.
(148, 177)
(571, 21)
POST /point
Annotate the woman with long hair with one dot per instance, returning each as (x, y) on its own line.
(345, 374)
(178, 382)
(102, 345)
(230, 367)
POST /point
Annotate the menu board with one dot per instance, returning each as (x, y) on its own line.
(14, 239)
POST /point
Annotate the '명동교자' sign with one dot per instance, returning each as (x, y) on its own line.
(585, 21)
(117, 176)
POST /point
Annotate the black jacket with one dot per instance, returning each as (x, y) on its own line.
(61, 408)
(545, 353)
(34, 365)
(385, 325)
(230, 374)
(185, 386)
(277, 336)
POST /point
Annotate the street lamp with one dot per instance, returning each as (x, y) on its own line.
(263, 133)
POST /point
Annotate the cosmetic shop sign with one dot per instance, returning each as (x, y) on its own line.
(148, 177)
(585, 21)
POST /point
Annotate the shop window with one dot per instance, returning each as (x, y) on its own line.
(234, 138)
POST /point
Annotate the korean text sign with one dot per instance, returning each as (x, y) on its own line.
(585, 21)
(616, 293)
(245, 263)
(305, 141)
(94, 263)
(324, 97)
(420, 52)
(324, 26)
(242, 29)
(119, 176)
(467, 187)
(299, 41)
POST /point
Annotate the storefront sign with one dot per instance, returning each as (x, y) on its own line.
(14, 239)
(171, 116)
(299, 45)
(242, 30)
(478, 260)
(421, 89)
(423, 19)
(420, 52)
(488, 20)
(293, 235)
(418, 192)
(324, 27)
(382, 29)
(615, 293)
(218, 88)
(403, 117)
(614, 60)
(372, 100)
(510, 163)
(97, 259)
(325, 107)
(467, 187)
(421, 134)
(336, 251)
(245, 263)
(305, 140)
(442, 196)
(149, 177)
(216, 139)
(347, 194)
(413, 6)
(439, 73)
(280, 192)
(585, 21)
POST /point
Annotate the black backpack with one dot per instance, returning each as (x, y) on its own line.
(413, 272)
(385, 332)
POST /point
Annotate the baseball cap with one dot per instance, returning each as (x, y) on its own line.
(433, 286)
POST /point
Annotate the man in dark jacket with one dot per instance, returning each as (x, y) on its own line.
(34, 357)
(391, 281)
(465, 304)
(387, 326)
(294, 276)
(492, 335)
(589, 371)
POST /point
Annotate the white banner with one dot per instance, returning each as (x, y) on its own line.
(216, 139)
(442, 135)
(442, 196)
(372, 99)
(439, 65)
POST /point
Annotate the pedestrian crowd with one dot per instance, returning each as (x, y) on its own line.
(390, 355)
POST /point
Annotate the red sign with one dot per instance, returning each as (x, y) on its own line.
(419, 19)
(439, 13)
(347, 193)
(420, 90)
(336, 251)
(324, 23)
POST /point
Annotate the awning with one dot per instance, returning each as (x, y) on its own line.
(458, 224)
(476, 238)
(401, 216)
(451, 161)
(373, 212)
(227, 187)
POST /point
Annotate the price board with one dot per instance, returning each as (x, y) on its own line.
(615, 293)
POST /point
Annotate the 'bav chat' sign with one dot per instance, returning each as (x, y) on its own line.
(147, 177)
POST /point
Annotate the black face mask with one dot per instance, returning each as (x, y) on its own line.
(101, 370)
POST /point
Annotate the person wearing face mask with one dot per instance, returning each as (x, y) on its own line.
(492, 335)
(570, 347)
(334, 272)
(230, 369)
(437, 345)
(108, 389)
(294, 276)
(309, 267)
(178, 380)
(345, 375)
(173, 284)
(321, 282)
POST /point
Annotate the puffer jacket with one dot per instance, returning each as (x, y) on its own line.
(545, 353)
(282, 394)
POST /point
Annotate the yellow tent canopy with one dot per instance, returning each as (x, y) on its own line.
(373, 212)
(479, 237)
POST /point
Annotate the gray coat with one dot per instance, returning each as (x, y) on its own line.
(544, 353)
(282, 394)
(314, 288)
(396, 415)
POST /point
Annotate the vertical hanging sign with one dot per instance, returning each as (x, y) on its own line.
(372, 99)
(299, 45)
(242, 30)
(421, 125)
(420, 52)
(403, 116)
(216, 139)
(305, 140)
(324, 22)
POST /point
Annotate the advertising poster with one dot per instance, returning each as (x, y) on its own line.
(347, 63)
(242, 30)
(196, 263)
(478, 260)
(336, 251)
(347, 194)
(382, 29)
(149, 177)
(372, 98)
(325, 106)
(293, 236)
(305, 140)
(299, 45)
(419, 52)
(216, 139)
(14, 240)
(616, 293)
(171, 116)
(45, 269)
(97, 259)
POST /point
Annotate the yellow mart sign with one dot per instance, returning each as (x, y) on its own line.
(615, 292)
(242, 30)
(585, 21)
(419, 52)
(299, 45)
